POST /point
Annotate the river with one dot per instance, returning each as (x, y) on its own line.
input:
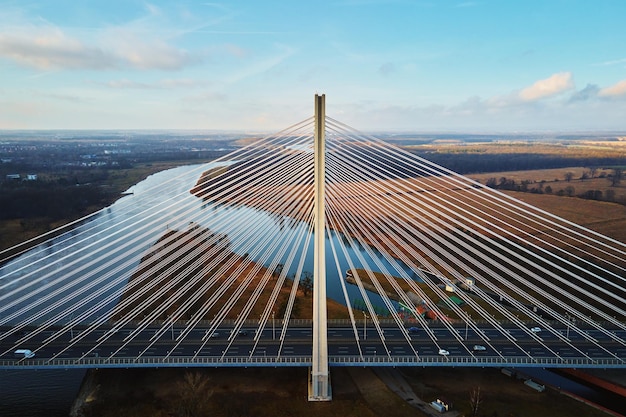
(35, 393)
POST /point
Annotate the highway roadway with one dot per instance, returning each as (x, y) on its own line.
(298, 343)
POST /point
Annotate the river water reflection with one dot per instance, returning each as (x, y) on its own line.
(134, 223)
(131, 225)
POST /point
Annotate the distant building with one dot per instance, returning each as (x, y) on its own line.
(448, 285)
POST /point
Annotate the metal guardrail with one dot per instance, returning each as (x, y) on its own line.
(300, 361)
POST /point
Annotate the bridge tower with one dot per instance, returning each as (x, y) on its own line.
(319, 384)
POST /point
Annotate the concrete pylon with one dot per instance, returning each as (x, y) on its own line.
(319, 381)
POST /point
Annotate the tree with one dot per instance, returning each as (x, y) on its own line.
(277, 270)
(568, 176)
(616, 177)
(593, 171)
(306, 282)
(475, 400)
(194, 391)
(610, 195)
(569, 191)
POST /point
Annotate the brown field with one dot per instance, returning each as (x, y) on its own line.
(556, 179)
(569, 148)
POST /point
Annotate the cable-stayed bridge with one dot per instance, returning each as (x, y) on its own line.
(219, 265)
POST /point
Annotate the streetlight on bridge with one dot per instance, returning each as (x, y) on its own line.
(364, 326)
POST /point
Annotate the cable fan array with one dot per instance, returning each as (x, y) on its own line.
(232, 240)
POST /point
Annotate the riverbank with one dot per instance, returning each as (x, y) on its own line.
(165, 270)
(16, 231)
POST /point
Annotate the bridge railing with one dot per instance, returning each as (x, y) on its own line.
(298, 361)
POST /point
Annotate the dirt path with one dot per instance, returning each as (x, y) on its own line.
(396, 382)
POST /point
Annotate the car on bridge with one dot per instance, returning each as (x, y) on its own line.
(443, 352)
(24, 353)
(479, 348)
(535, 329)
(413, 330)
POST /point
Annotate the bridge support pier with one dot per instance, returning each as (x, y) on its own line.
(319, 382)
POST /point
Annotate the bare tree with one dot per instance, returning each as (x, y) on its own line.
(194, 394)
(306, 282)
(475, 400)
(568, 176)
(616, 177)
(278, 270)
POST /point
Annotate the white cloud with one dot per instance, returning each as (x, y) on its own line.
(551, 86)
(157, 85)
(48, 47)
(618, 89)
(135, 51)
(609, 63)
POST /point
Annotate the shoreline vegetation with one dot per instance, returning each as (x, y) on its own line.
(165, 264)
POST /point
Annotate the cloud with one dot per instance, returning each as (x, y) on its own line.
(589, 92)
(386, 69)
(609, 63)
(616, 90)
(48, 47)
(551, 86)
(204, 97)
(136, 52)
(158, 85)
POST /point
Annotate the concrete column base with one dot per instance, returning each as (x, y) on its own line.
(319, 387)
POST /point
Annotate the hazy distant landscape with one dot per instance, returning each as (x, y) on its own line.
(78, 172)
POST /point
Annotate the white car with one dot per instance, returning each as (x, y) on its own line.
(443, 352)
(535, 329)
(479, 348)
(25, 353)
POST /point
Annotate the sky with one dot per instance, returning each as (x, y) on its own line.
(483, 66)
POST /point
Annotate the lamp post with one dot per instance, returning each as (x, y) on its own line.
(364, 326)
(273, 327)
